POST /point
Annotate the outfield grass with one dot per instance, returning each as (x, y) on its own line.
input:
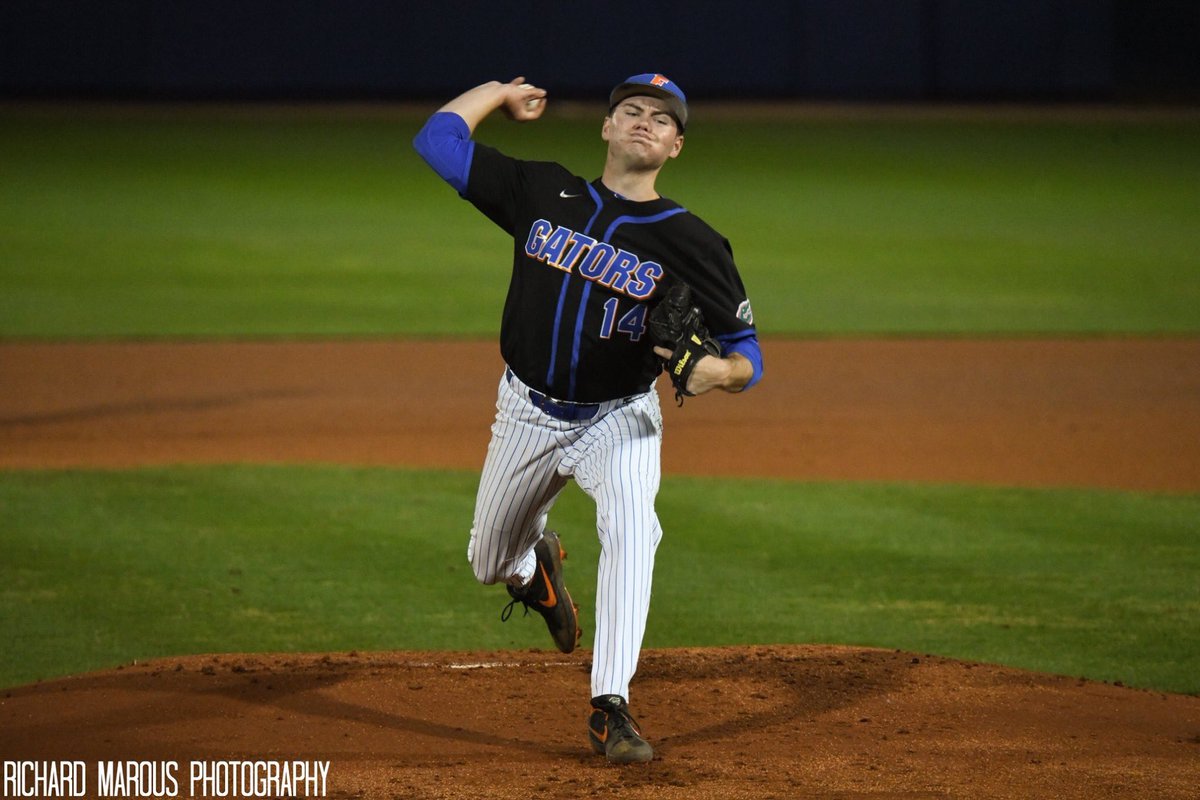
(100, 568)
(210, 222)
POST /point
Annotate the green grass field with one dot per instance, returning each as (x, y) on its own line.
(230, 223)
(246, 223)
(100, 568)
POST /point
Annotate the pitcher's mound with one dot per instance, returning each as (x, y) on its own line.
(757, 722)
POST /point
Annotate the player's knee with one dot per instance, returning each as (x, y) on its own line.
(484, 573)
(484, 570)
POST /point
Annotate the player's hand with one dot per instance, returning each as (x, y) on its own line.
(523, 101)
(713, 372)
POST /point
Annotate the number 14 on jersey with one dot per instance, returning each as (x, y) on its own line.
(632, 323)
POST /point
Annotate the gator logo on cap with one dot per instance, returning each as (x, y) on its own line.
(659, 80)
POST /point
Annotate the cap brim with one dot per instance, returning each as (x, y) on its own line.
(674, 104)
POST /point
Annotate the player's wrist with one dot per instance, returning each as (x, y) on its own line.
(739, 370)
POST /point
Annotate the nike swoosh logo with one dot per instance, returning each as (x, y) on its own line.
(563, 194)
(602, 733)
(551, 599)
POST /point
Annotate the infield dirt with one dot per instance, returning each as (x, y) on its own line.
(771, 721)
(1111, 413)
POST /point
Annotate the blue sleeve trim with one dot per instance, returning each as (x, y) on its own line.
(446, 145)
(745, 344)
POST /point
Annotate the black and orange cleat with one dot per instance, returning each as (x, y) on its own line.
(547, 595)
(614, 733)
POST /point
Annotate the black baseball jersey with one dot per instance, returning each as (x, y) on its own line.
(588, 265)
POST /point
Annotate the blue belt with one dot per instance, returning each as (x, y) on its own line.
(559, 409)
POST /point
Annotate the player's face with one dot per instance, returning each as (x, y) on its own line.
(642, 132)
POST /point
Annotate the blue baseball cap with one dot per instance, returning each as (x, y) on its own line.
(653, 84)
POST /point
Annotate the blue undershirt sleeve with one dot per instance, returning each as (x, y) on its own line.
(745, 344)
(446, 145)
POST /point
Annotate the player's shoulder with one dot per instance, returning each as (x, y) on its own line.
(690, 219)
(691, 227)
(550, 168)
(529, 166)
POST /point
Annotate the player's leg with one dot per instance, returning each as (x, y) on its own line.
(618, 463)
(517, 487)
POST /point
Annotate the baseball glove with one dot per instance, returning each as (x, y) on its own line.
(678, 325)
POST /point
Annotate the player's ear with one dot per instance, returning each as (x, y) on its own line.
(604, 127)
(677, 147)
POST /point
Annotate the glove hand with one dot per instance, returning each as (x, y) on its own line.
(681, 340)
(710, 372)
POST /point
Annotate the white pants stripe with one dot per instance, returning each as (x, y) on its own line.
(616, 459)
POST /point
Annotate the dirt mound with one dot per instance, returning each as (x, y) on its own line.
(779, 721)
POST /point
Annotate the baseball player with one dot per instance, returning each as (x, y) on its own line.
(590, 261)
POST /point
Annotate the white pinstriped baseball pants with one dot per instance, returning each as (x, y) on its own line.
(615, 457)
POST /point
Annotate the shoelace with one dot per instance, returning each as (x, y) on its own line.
(621, 726)
(508, 609)
(621, 718)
